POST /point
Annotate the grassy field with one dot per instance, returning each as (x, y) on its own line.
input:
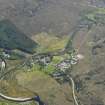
(96, 15)
(48, 89)
(50, 42)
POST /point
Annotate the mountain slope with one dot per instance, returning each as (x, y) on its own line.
(35, 16)
(12, 38)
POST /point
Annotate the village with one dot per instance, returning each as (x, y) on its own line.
(61, 67)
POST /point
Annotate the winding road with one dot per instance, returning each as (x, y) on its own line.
(36, 98)
(59, 52)
(73, 90)
(33, 98)
(15, 99)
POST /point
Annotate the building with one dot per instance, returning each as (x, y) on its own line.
(64, 65)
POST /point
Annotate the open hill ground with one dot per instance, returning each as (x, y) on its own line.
(50, 23)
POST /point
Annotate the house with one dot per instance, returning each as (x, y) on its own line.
(74, 61)
(43, 59)
(58, 75)
(64, 65)
(5, 55)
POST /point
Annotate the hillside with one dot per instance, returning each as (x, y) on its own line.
(35, 16)
(68, 37)
(12, 38)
